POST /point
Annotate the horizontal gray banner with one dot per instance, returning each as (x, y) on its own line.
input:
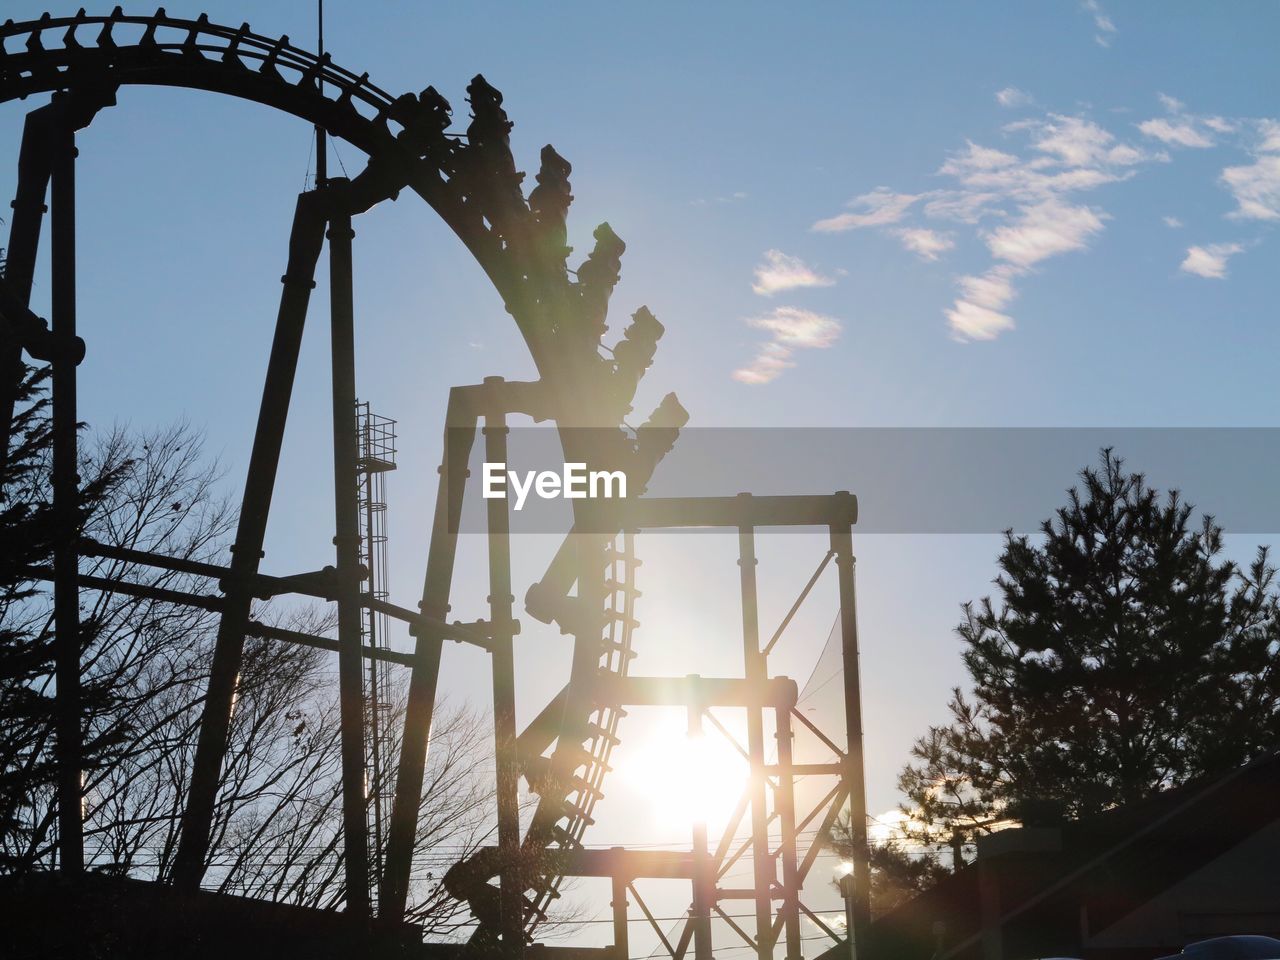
(905, 480)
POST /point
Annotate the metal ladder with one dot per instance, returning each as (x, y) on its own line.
(616, 654)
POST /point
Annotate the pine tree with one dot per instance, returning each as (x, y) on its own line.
(26, 538)
(28, 531)
(1125, 657)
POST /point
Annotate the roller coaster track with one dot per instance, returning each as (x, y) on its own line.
(87, 52)
(470, 180)
(474, 187)
(616, 656)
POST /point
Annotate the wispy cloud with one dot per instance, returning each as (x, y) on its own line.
(796, 327)
(1256, 186)
(1074, 154)
(1066, 155)
(993, 290)
(975, 160)
(924, 243)
(769, 363)
(782, 272)
(1012, 97)
(1210, 261)
(790, 329)
(1044, 230)
(1182, 128)
(1041, 231)
(976, 313)
(1269, 131)
(1079, 142)
(1102, 23)
(736, 197)
(1028, 190)
(878, 208)
(1176, 133)
(1023, 198)
(962, 206)
(970, 321)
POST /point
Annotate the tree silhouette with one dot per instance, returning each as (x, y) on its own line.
(1125, 656)
(899, 870)
(28, 531)
(277, 828)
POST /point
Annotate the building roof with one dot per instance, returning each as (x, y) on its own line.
(1101, 867)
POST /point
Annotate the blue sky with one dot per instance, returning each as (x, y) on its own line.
(1051, 214)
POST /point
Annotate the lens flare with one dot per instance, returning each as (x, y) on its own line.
(687, 779)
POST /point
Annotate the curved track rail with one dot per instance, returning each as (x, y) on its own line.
(616, 655)
(470, 180)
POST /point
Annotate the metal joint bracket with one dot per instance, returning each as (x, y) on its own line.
(322, 583)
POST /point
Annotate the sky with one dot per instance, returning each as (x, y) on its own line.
(881, 214)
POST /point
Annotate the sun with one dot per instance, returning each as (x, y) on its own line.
(685, 779)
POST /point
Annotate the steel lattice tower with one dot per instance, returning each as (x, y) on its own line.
(377, 444)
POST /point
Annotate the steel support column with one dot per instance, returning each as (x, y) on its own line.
(506, 758)
(305, 240)
(28, 205)
(855, 777)
(785, 803)
(68, 112)
(756, 673)
(704, 877)
(459, 436)
(346, 541)
(621, 946)
(34, 160)
(66, 505)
